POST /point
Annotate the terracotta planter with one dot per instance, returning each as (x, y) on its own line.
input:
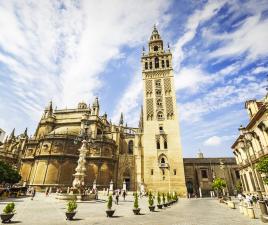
(137, 211)
(165, 205)
(152, 208)
(70, 215)
(6, 217)
(160, 206)
(110, 212)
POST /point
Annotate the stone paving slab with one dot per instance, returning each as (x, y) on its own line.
(49, 211)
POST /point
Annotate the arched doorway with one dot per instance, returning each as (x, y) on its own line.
(126, 178)
(190, 187)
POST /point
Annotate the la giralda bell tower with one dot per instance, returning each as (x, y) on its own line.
(162, 153)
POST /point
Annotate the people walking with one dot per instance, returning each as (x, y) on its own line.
(47, 191)
(33, 193)
(124, 194)
(117, 197)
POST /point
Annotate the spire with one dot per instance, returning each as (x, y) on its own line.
(121, 121)
(95, 107)
(155, 35)
(96, 102)
(141, 119)
(50, 109)
(25, 132)
(12, 135)
(155, 43)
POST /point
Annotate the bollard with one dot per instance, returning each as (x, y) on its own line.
(241, 207)
(251, 213)
(231, 204)
(245, 211)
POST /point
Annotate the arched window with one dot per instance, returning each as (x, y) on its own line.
(167, 63)
(160, 115)
(146, 65)
(163, 160)
(158, 83)
(130, 147)
(158, 144)
(151, 65)
(159, 102)
(156, 63)
(158, 92)
(156, 48)
(163, 63)
(165, 144)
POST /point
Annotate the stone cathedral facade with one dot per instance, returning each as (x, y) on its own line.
(149, 155)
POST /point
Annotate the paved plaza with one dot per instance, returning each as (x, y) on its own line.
(48, 210)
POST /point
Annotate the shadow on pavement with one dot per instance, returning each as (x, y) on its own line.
(116, 216)
(15, 221)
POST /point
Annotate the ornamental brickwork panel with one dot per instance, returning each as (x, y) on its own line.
(167, 85)
(149, 86)
(149, 109)
(169, 107)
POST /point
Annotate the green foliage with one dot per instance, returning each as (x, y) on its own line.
(71, 206)
(8, 174)
(110, 202)
(151, 199)
(262, 167)
(163, 198)
(168, 197)
(218, 184)
(175, 196)
(136, 201)
(10, 208)
(238, 187)
(158, 198)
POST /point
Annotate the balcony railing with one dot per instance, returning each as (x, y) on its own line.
(163, 165)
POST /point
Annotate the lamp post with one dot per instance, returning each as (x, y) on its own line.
(245, 144)
(223, 166)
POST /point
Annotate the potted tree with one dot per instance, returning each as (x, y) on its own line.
(159, 205)
(151, 201)
(136, 208)
(167, 196)
(110, 211)
(175, 197)
(71, 207)
(8, 212)
(164, 200)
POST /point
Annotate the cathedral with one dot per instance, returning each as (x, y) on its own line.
(149, 154)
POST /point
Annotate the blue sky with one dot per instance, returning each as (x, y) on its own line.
(71, 51)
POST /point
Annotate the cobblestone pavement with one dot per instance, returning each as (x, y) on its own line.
(47, 210)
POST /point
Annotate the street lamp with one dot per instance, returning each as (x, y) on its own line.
(245, 144)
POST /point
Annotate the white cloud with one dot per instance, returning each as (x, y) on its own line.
(260, 69)
(58, 49)
(250, 37)
(191, 79)
(209, 10)
(213, 141)
(220, 98)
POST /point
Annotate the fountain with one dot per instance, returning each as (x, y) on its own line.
(77, 190)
